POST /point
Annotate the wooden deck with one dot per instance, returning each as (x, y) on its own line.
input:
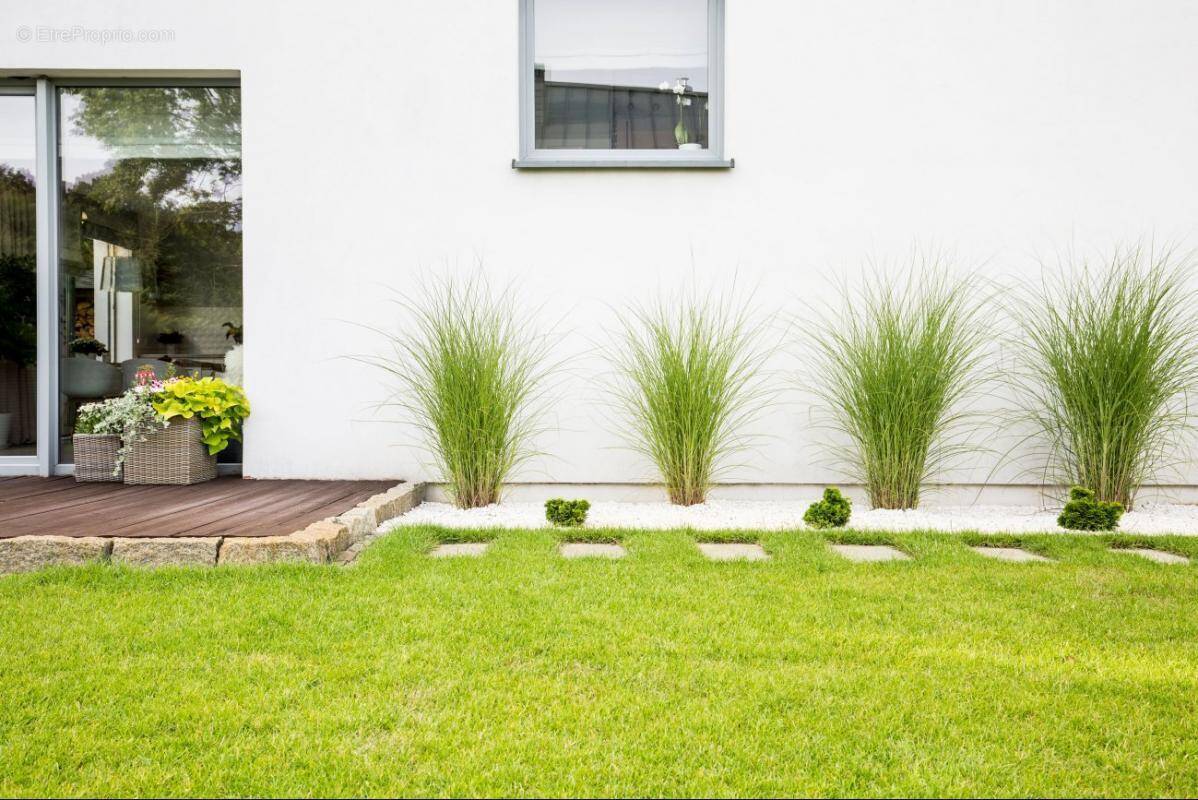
(224, 507)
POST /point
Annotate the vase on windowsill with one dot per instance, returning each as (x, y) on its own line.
(692, 146)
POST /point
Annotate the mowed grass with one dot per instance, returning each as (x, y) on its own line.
(520, 673)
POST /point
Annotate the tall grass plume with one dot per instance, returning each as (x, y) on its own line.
(1108, 362)
(894, 370)
(689, 383)
(471, 375)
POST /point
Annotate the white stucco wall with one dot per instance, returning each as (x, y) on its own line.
(378, 139)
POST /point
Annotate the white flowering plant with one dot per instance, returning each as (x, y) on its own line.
(129, 416)
(680, 88)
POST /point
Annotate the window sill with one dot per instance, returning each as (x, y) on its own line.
(541, 162)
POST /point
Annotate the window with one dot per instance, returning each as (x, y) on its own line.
(621, 83)
(149, 243)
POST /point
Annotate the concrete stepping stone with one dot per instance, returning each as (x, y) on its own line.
(592, 550)
(733, 551)
(1159, 556)
(1017, 554)
(456, 549)
(870, 552)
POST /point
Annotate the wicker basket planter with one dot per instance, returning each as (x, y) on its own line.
(172, 455)
(95, 457)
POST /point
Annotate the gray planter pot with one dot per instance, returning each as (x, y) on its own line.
(85, 378)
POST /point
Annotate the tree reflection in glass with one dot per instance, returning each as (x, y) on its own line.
(18, 278)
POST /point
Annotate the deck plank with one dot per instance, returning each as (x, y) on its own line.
(316, 508)
(126, 507)
(62, 502)
(290, 511)
(227, 506)
(248, 512)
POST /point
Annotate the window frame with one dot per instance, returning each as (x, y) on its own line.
(53, 323)
(532, 157)
(29, 464)
(47, 220)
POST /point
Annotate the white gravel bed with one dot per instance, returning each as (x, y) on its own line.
(768, 516)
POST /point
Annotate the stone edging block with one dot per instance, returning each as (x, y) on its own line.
(365, 519)
(390, 504)
(162, 551)
(360, 522)
(315, 544)
(27, 553)
(325, 541)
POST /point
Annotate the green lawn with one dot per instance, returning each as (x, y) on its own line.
(522, 674)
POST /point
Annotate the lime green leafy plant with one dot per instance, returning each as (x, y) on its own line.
(221, 407)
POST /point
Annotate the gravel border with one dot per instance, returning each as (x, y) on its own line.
(1161, 518)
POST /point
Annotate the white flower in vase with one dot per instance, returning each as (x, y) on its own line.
(681, 87)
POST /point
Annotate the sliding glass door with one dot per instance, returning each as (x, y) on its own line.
(149, 239)
(18, 279)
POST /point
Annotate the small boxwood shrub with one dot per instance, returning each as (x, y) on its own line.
(831, 512)
(1084, 512)
(566, 513)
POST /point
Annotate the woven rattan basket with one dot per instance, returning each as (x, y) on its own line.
(172, 455)
(95, 457)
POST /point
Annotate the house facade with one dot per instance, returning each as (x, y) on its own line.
(245, 189)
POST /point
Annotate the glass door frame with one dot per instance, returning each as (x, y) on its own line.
(35, 464)
(48, 193)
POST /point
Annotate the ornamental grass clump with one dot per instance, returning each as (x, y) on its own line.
(1109, 359)
(689, 383)
(893, 372)
(472, 376)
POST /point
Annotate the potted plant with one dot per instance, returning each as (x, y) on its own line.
(198, 417)
(84, 376)
(97, 441)
(18, 333)
(105, 432)
(682, 134)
